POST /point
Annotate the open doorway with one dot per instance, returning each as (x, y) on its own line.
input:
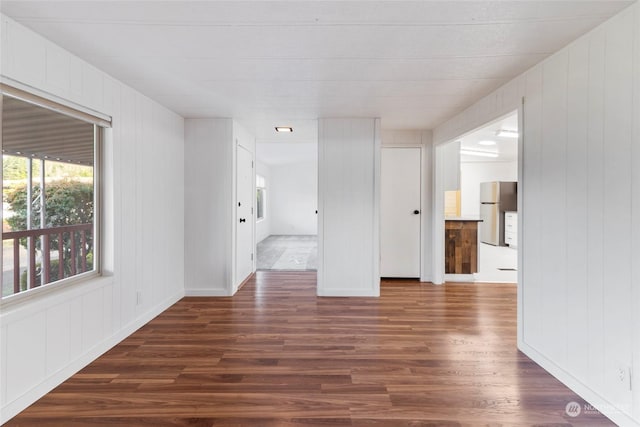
(484, 198)
(287, 197)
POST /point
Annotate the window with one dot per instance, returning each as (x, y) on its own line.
(260, 194)
(49, 196)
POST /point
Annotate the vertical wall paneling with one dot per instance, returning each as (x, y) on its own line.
(618, 125)
(208, 221)
(26, 55)
(92, 319)
(426, 248)
(57, 70)
(595, 207)
(48, 338)
(348, 181)
(58, 345)
(26, 354)
(576, 202)
(3, 366)
(553, 219)
(75, 325)
(578, 290)
(451, 172)
(635, 226)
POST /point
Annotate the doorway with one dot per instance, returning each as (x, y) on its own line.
(485, 159)
(287, 199)
(400, 212)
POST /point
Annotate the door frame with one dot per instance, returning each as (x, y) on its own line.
(426, 226)
(438, 258)
(235, 281)
(423, 207)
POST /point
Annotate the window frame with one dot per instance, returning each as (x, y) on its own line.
(262, 190)
(100, 125)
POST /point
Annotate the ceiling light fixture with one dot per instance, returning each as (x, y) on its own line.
(284, 129)
(478, 153)
(487, 142)
(506, 133)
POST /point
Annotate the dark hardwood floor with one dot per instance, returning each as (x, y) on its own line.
(277, 355)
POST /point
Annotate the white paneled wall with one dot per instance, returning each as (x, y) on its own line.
(348, 198)
(209, 222)
(46, 339)
(209, 200)
(580, 280)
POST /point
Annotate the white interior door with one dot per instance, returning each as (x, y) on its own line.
(245, 197)
(400, 212)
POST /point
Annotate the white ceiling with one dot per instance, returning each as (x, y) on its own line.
(266, 63)
(505, 147)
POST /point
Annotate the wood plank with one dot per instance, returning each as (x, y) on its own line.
(277, 355)
(461, 247)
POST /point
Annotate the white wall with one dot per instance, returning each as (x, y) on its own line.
(294, 199)
(423, 139)
(210, 204)
(348, 212)
(263, 227)
(47, 338)
(474, 173)
(209, 210)
(579, 288)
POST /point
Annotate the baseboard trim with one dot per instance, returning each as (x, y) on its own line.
(206, 293)
(596, 400)
(13, 408)
(347, 293)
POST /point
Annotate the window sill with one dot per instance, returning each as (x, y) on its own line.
(83, 282)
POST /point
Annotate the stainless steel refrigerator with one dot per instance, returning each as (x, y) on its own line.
(496, 198)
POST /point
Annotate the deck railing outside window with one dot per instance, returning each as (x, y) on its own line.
(53, 261)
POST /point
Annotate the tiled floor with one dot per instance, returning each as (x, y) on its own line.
(288, 253)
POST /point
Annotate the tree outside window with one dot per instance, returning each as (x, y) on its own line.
(47, 235)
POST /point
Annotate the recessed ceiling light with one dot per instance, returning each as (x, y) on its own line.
(479, 153)
(284, 129)
(506, 133)
(487, 142)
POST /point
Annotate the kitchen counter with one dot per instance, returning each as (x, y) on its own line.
(462, 218)
(461, 245)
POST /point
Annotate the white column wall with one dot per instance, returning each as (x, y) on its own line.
(210, 204)
(348, 207)
(46, 339)
(209, 208)
(579, 284)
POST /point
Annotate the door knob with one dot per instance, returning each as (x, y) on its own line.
(416, 212)
(242, 220)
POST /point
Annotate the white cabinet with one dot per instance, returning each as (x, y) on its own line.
(511, 229)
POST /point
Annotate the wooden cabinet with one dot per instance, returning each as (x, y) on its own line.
(511, 229)
(461, 246)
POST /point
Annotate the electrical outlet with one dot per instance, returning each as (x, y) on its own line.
(622, 374)
(138, 297)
